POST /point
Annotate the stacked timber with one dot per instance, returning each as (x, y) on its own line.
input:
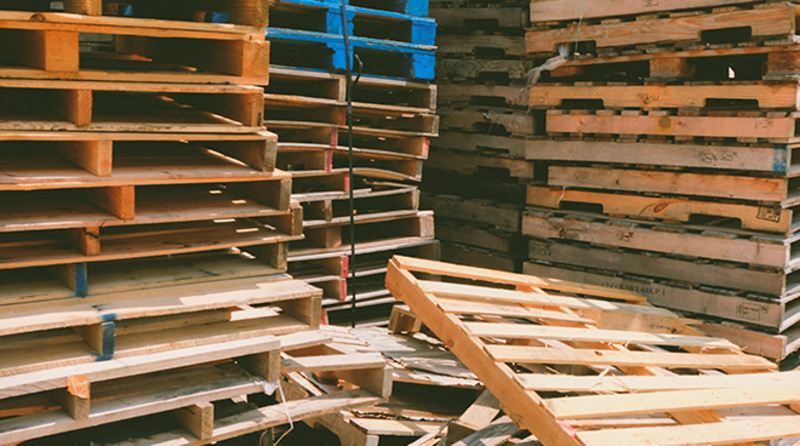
(668, 136)
(393, 116)
(145, 231)
(476, 174)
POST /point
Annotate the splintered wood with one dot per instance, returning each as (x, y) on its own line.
(583, 365)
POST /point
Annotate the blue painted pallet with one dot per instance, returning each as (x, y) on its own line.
(323, 17)
(312, 50)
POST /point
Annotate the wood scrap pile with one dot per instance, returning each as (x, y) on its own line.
(668, 133)
(576, 364)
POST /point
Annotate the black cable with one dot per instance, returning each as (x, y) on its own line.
(351, 279)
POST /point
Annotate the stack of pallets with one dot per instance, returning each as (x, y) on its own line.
(669, 140)
(393, 116)
(144, 230)
(476, 175)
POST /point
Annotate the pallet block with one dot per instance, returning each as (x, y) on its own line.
(576, 420)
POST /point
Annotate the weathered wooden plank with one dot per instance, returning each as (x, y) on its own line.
(558, 10)
(678, 183)
(696, 399)
(567, 334)
(621, 383)
(699, 434)
(543, 355)
(762, 22)
(667, 96)
(753, 217)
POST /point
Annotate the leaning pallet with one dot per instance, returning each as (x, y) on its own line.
(620, 372)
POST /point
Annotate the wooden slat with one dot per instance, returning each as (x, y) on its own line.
(520, 331)
(622, 383)
(698, 399)
(477, 308)
(697, 434)
(541, 355)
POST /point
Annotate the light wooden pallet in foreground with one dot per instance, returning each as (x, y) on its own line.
(638, 375)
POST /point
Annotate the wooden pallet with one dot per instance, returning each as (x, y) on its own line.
(741, 63)
(93, 244)
(481, 46)
(747, 127)
(142, 205)
(47, 47)
(392, 120)
(487, 18)
(468, 254)
(481, 69)
(772, 316)
(488, 342)
(511, 244)
(386, 230)
(106, 278)
(775, 159)
(514, 95)
(480, 143)
(146, 325)
(465, 163)
(768, 22)
(649, 96)
(672, 209)
(487, 187)
(502, 216)
(570, 10)
(370, 92)
(726, 277)
(248, 13)
(739, 187)
(206, 423)
(122, 107)
(710, 242)
(335, 267)
(47, 160)
(381, 199)
(489, 121)
(309, 159)
(326, 18)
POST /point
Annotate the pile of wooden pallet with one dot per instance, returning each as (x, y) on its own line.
(393, 115)
(581, 365)
(144, 231)
(668, 139)
(476, 175)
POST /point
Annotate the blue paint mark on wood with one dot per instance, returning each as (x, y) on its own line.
(780, 160)
(81, 280)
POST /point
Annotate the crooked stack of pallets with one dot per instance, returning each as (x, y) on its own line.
(144, 230)
(668, 138)
(476, 175)
(393, 116)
